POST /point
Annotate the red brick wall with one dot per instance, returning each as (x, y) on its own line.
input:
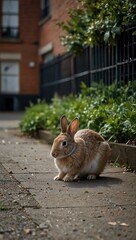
(49, 31)
(27, 45)
(32, 37)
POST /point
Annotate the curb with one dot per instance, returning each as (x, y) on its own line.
(121, 153)
(46, 135)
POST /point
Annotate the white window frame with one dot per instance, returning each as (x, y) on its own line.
(9, 77)
(10, 19)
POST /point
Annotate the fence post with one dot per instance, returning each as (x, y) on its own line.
(90, 64)
(116, 56)
(72, 74)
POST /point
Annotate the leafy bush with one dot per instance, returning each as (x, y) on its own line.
(109, 110)
(34, 118)
(94, 22)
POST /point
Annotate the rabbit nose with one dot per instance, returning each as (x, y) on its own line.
(54, 154)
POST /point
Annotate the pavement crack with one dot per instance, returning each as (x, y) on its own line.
(32, 206)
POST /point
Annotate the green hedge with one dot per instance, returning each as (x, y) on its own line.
(109, 110)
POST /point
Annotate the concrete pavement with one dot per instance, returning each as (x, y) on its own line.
(100, 209)
(10, 120)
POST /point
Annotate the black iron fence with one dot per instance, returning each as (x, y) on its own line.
(106, 63)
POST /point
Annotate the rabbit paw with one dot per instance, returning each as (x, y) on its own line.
(68, 179)
(91, 177)
(58, 178)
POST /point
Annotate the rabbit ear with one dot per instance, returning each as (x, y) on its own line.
(73, 127)
(63, 124)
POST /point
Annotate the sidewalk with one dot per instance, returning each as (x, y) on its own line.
(10, 120)
(100, 209)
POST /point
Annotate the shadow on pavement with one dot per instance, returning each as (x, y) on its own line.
(104, 181)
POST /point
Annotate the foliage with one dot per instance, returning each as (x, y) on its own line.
(34, 118)
(94, 22)
(108, 110)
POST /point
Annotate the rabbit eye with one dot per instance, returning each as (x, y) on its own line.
(64, 143)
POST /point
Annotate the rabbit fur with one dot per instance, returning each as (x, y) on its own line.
(77, 154)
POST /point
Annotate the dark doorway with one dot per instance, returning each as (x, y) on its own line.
(9, 104)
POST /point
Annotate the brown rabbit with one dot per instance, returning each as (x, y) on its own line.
(79, 154)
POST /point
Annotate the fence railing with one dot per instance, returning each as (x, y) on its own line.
(106, 63)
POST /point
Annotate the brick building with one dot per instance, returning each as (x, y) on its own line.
(19, 63)
(28, 36)
(53, 11)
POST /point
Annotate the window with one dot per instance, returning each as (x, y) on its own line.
(47, 57)
(45, 8)
(9, 77)
(10, 18)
